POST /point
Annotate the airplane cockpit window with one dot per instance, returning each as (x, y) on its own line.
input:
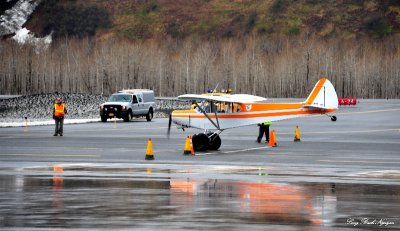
(213, 107)
(238, 108)
(221, 107)
(196, 108)
(227, 108)
(206, 106)
(203, 105)
(233, 107)
(217, 107)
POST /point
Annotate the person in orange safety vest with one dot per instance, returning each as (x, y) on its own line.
(59, 111)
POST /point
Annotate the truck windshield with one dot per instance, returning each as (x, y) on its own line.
(120, 98)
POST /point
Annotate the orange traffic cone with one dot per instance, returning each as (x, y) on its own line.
(149, 150)
(186, 148)
(296, 134)
(272, 139)
(191, 146)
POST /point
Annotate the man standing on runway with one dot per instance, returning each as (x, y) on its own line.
(59, 111)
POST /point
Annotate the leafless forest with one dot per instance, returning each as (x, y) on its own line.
(266, 67)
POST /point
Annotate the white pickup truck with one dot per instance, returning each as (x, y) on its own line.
(127, 104)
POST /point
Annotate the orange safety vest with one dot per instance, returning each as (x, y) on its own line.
(59, 109)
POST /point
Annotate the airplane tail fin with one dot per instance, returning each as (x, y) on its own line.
(322, 96)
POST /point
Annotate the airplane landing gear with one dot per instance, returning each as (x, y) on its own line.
(214, 141)
(204, 142)
(333, 118)
(200, 142)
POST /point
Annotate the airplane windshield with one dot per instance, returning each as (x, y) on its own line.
(219, 107)
(120, 98)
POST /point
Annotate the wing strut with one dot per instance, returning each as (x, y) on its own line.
(216, 118)
(205, 113)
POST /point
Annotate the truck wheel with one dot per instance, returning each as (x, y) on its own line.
(149, 115)
(103, 119)
(128, 116)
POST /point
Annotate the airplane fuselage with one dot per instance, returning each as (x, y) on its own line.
(250, 113)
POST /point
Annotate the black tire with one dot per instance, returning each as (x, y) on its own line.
(103, 119)
(333, 118)
(215, 143)
(200, 142)
(128, 116)
(149, 115)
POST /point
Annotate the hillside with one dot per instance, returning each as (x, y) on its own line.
(144, 19)
(262, 47)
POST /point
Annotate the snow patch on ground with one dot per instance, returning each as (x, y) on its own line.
(34, 110)
(28, 123)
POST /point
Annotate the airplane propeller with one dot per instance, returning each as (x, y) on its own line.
(169, 125)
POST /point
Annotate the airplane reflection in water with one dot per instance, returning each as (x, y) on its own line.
(180, 204)
(265, 202)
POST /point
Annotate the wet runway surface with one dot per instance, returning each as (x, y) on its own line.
(152, 198)
(341, 176)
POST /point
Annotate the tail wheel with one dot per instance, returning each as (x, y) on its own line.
(333, 118)
(214, 141)
(200, 142)
(149, 115)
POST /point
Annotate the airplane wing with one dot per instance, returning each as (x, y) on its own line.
(236, 98)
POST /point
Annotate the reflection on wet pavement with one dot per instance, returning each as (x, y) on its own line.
(58, 201)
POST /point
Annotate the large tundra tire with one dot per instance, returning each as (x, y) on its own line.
(200, 142)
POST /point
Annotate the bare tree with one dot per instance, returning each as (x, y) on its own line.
(271, 67)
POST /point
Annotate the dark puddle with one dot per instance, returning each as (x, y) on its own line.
(102, 203)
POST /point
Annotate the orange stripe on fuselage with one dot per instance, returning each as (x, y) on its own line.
(255, 107)
(194, 114)
(315, 92)
(270, 106)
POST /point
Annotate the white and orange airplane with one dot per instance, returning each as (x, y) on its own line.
(215, 113)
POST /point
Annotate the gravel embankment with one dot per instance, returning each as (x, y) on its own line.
(80, 106)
